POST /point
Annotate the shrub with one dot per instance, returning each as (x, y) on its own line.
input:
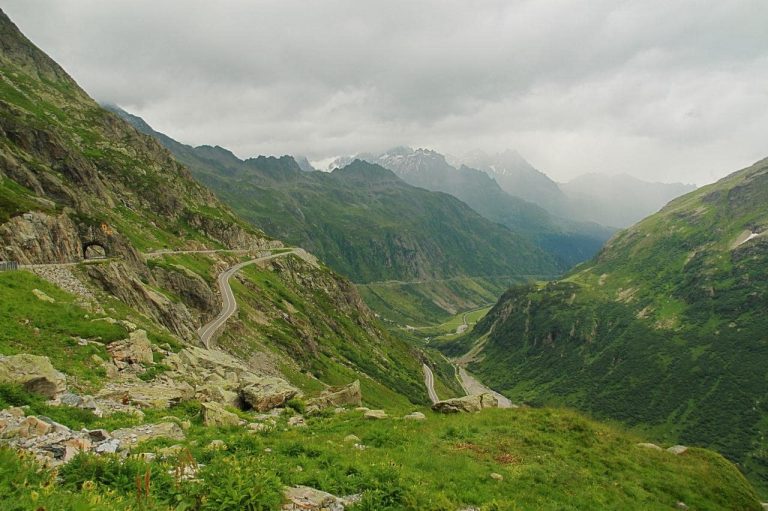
(235, 483)
(16, 395)
(296, 404)
(115, 474)
(387, 493)
(152, 372)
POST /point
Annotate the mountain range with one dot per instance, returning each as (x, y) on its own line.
(362, 219)
(594, 203)
(569, 242)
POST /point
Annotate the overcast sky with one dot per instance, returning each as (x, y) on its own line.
(667, 90)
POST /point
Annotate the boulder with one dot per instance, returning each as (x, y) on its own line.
(647, 445)
(297, 421)
(34, 373)
(192, 361)
(217, 393)
(70, 399)
(677, 449)
(267, 392)
(349, 395)
(33, 427)
(129, 437)
(415, 416)
(14, 411)
(352, 439)
(108, 446)
(305, 498)
(214, 414)
(135, 350)
(97, 435)
(147, 395)
(375, 414)
(468, 404)
(74, 446)
(40, 295)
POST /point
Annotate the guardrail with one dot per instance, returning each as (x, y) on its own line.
(9, 266)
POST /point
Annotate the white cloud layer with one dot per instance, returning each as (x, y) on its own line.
(668, 90)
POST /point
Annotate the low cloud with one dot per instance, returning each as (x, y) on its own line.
(671, 91)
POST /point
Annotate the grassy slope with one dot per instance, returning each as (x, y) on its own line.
(324, 334)
(424, 304)
(549, 459)
(665, 329)
(52, 329)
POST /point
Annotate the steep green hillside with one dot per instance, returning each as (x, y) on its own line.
(362, 220)
(666, 328)
(420, 304)
(88, 174)
(74, 174)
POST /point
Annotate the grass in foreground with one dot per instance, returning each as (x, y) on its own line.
(548, 458)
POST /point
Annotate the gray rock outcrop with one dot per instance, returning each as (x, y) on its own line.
(34, 373)
(216, 415)
(135, 350)
(265, 393)
(466, 404)
(375, 414)
(129, 437)
(36, 237)
(148, 395)
(304, 498)
(348, 395)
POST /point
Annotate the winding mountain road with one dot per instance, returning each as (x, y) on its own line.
(429, 382)
(229, 305)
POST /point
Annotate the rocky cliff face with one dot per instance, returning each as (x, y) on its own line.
(120, 281)
(37, 237)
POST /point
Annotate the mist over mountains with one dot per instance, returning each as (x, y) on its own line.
(608, 200)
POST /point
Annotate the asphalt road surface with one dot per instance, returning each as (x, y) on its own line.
(229, 305)
(429, 381)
